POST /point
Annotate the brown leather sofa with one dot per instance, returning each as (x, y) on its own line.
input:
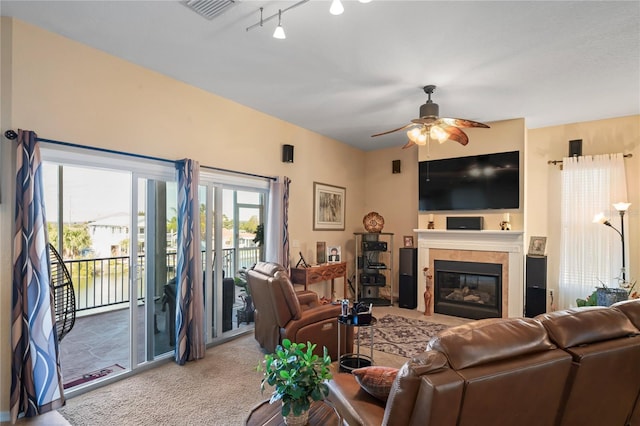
(282, 312)
(550, 370)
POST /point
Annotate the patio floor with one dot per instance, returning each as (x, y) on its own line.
(100, 341)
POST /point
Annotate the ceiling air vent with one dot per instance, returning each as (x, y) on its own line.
(209, 8)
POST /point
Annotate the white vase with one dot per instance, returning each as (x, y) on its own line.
(300, 420)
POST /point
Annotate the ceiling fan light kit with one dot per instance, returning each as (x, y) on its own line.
(430, 126)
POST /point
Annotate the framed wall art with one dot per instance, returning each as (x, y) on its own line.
(408, 240)
(328, 207)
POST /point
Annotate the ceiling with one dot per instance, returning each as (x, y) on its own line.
(360, 73)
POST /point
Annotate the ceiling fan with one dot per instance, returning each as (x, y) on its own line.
(430, 126)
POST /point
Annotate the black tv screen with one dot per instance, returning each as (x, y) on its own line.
(480, 182)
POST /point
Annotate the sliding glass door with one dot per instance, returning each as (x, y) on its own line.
(114, 220)
(116, 231)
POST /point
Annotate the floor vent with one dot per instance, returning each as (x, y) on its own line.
(209, 8)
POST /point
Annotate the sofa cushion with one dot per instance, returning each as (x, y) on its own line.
(376, 380)
(581, 326)
(631, 308)
(427, 369)
(490, 340)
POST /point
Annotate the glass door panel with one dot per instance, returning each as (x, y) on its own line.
(89, 219)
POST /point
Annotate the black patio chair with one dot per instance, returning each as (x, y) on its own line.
(64, 297)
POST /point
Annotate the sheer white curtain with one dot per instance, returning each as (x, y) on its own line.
(589, 252)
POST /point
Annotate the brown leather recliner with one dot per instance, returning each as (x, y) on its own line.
(283, 313)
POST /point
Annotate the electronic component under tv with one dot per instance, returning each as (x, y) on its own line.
(480, 182)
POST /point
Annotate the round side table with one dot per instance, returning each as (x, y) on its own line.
(350, 361)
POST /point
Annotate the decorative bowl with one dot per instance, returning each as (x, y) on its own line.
(373, 222)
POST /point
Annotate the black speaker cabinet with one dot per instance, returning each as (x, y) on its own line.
(408, 280)
(465, 222)
(536, 286)
(228, 290)
(287, 153)
(395, 166)
(575, 148)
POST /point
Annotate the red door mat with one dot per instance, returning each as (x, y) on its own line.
(103, 372)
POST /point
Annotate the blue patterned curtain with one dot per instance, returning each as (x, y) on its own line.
(190, 332)
(285, 225)
(277, 231)
(36, 381)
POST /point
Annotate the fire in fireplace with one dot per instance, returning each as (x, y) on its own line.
(468, 289)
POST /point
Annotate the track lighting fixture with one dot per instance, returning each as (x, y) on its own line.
(279, 32)
(336, 7)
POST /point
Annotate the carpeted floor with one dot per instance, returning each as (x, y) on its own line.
(223, 387)
(219, 389)
(400, 336)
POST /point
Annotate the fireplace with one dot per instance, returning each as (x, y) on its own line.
(468, 289)
(488, 246)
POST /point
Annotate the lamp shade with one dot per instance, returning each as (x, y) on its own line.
(600, 218)
(279, 33)
(622, 207)
(336, 7)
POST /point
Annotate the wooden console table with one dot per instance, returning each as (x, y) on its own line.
(318, 273)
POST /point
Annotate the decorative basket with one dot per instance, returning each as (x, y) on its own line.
(373, 222)
(608, 296)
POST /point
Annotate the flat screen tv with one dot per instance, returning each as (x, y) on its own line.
(480, 182)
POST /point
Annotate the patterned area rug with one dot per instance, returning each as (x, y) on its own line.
(400, 336)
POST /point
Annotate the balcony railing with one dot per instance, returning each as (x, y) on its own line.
(104, 282)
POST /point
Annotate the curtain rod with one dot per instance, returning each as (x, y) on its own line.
(554, 162)
(10, 134)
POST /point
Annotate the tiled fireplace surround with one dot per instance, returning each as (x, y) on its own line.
(501, 247)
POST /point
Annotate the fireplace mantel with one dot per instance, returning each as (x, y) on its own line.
(510, 242)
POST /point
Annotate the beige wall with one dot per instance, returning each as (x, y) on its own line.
(543, 180)
(5, 215)
(393, 195)
(67, 91)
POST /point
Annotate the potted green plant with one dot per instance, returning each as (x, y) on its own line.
(298, 377)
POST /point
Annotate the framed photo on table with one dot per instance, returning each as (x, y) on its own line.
(537, 246)
(334, 254)
(328, 207)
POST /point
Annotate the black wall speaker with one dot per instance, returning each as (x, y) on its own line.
(408, 280)
(395, 166)
(465, 222)
(287, 153)
(536, 284)
(575, 148)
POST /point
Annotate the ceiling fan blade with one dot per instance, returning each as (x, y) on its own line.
(455, 135)
(409, 144)
(394, 130)
(461, 122)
